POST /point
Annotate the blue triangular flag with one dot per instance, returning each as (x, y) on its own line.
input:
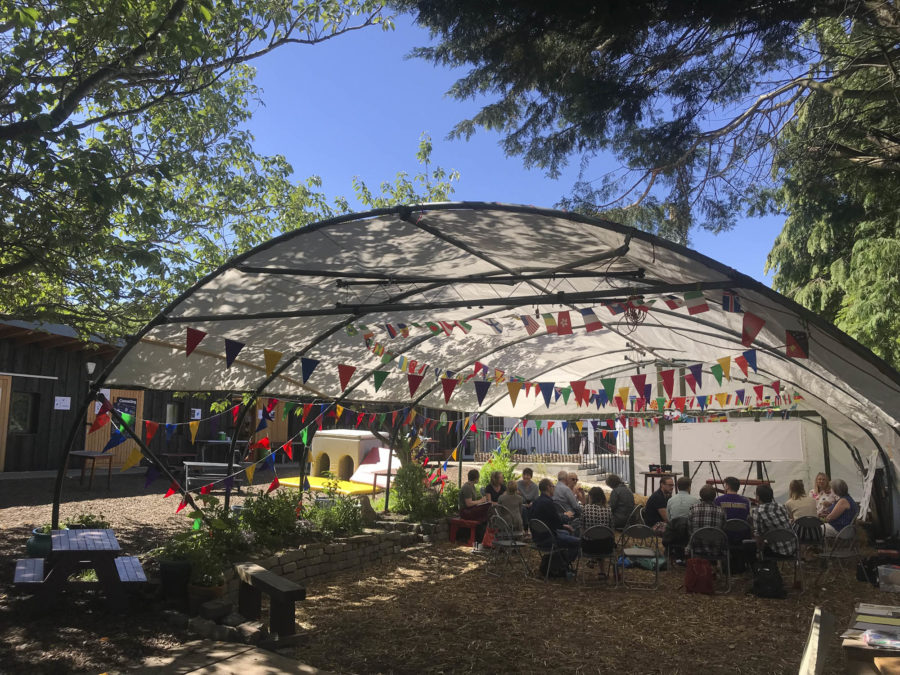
(307, 366)
(152, 475)
(446, 462)
(701, 401)
(565, 425)
(697, 372)
(232, 349)
(170, 431)
(115, 438)
(263, 423)
(547, 391)
(528, 431)
(602, 398)
(306, 487)
(750, 355)
(481, 389)
(556, 395)
(648, 389)
(270, 461)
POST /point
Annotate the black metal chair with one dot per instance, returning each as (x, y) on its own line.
(543, 540)
(505, 546)
(845, 546)
(741, 544)
(784, 536)
(711, 543)
(639, 542)
(598, 543)
(810, 534)
(676, 539)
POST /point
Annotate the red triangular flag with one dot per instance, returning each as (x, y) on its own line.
(288, 450)
(105, 407)
(668, 380)
(758, 390)
(99, 421)
(414, 382)
(262, 443)
(234, 413)
(578, 388)
(184, 502)
(150, 430)
(692, 383)
(449, 384)
(274, 484)
(194, 338)
(742, 364)
(679, 402)
(205, 490)
(345, 372)
(173, 488)
(776, 385)
(752, 325)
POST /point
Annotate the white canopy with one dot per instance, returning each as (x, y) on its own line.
(328, 297)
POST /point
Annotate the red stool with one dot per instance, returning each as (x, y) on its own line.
(456, 523)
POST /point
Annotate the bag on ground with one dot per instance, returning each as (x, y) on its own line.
(558, 568)
(698, 576)
(767, 582)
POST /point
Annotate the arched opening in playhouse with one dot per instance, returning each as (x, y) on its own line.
(345, 467)
(321, 464)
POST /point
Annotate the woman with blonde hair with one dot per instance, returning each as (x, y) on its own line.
(823, 495)
(800, 504)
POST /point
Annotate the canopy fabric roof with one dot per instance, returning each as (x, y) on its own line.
(326, 293)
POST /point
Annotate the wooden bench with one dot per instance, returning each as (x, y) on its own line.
(29, 571)
(456, 523)
(130, 570)
(283, 593)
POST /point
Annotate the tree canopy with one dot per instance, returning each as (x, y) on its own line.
(686, 95)
(127, 170)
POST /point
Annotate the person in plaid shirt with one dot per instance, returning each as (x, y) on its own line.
(706, 513)
(771, 516)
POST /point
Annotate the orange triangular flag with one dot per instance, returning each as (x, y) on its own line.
(513, 388)
(99, 421)
(194, 425)
(345, 372)
(725, 362)
(272, 358)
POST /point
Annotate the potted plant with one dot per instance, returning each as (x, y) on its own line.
(39, 545)
(207, 580)
(175, 567)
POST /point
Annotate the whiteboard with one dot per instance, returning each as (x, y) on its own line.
(772, 441)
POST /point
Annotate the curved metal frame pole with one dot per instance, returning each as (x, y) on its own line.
(78, 423)
(387, 487)
(237, 427)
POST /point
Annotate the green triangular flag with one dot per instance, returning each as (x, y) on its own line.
(196, 525)
(127, 418)
(386, 357)
(381, 417)
(717, 372)
(537, 424)
(288, 406)
(609, 385)
(565, 394)
(379, 376)
(303, 436)
(660, 404)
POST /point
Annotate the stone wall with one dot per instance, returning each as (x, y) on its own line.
(310, 561)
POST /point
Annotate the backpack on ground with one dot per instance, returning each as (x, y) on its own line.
(558, 568)
(767, 582)
(698, 576)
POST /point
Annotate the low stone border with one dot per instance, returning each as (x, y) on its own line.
(550, 458)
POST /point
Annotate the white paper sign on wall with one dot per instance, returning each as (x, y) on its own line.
(195, 413)
(62, 403)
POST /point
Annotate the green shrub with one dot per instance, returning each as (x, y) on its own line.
(501, 461)
(341, 517)
(218, 523)
(450, 499)
(271, 516)
(409, 487)
(88, 521)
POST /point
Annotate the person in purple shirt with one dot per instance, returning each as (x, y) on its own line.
(735, 505)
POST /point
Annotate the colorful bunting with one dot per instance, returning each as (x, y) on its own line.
(133, 459)
(99, 422)
(731, 302)
(550, 322)
(668, 380)
(697, 372)
(271, 357)
(115, 438)
(173, 488)
(797, 344)
(448, 386)
(250, 470)
(591, 322)
(531, 325)
(513, 388)
(750, 329)
(563, 324)
(151, 475)
(546, 390)
(414, 382)
(184, 502)
(695, 302)
(194, 426)
(481, 389)
(725, 362)
(717, 373)
(609, 387)
(274, 484)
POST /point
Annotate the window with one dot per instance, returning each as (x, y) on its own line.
(23, 408)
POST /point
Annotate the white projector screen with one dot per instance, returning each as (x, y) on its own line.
(772, 441)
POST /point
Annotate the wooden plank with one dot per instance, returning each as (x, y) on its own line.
(271, 583)
(29, 571)
(130, 569)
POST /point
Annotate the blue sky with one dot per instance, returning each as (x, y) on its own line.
(356, 107)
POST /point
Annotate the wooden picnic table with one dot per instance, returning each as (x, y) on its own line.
(76, 550)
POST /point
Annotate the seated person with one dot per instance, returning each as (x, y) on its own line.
(655, 513)
(680, 503)
(544, 510)
(528, 489)
(563, 495)
(496, 487)
(621, 501)
(576, 489)
(736, 506)
(705, 513)
(823, 495)
(596, 511)
(800, 504)
(472, 506)
(844, 511)
(512, 502)
(771, 516)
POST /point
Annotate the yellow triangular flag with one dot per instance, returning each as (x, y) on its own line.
(416, 443)
(272, 358)
(513, 388)
(133, 459)
(339, 410)
(623, 394)
(250, 471)
(453, 456)
(725, 362)
(721, 398)
(578, 425)
(519, 430)
(466, 426)
(194, 425)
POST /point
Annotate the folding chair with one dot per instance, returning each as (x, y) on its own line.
(740, 543)
(543, 540)
(679, 533)
(636, 517)
(639, 542)
(845, 546)
(711, 543)
(598, 543)
(505, 513)
(505, 545)
(810, 534)
(782, 535)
